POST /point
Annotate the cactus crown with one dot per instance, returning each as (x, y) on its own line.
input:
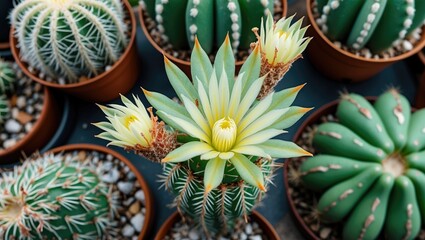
(224, 159)
(54, 196)
(209, 20)
(371, 167)
(376, 25)
(70, 39)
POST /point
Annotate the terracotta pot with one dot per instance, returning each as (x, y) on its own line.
(341, 65)
(148, 196)
(257, 217)
(104, 87)
(182, 64)
(43, 129)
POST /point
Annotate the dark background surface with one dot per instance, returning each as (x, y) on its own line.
(317, 92)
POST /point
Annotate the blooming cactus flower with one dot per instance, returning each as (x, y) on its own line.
(133, 128)
(222, 115)
(281, 44)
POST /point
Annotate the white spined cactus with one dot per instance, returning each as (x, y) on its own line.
(70, 38)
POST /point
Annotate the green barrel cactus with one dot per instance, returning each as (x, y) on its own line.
(371, 168)
(4, 108)
(209, 21)
(70, 39)
(376, 25)
(55, 197)
(226, 150)
(7, 77)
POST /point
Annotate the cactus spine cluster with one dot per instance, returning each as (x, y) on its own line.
(70, 38)
(375, 24)
(209, 20)
(371, 168)
(55, 197)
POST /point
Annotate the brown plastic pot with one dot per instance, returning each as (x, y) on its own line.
(148, 196)
(43, 129)
(182, 64)
(341, 65)
(104, 87)
(257, 217)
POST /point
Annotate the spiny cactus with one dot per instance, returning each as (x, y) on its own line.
(225, 157)
(375, 24)
(4, 108)
(55, 197)
(7, 77)
(371, 168)
(70, 38)
(209, 20)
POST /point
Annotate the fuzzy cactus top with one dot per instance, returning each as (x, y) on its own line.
(371, 168)
(70, 39)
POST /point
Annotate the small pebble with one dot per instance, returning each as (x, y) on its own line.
(128, 230)
(135, 207)
(125, 187)
(137, 221)
(140, 195)
(12, 126)
(324, 233)
(111, 177)
(9, 143)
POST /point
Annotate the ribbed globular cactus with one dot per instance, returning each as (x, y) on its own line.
(55, 197)
(375, 24)
(209, 20)
(70, 39)
(7, 77)
(225, 154)
(371, 168)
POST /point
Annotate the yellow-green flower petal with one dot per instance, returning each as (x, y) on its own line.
(248, 171)
(214, 172)
(187, 151)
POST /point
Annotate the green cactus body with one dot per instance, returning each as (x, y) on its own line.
(252, 11)
(210, 21)
(228, 20)
(64, 198)
(376, 25)
(4, 108)
(149, 7)
(170, 14)
(7, 77)
(219, 209)
(70, 39)
(389, 199)
(199, 19)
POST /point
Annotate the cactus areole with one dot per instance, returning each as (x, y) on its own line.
(371, 168)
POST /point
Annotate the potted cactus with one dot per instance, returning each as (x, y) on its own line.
(209, 21)
(29, 114)
(367, 177)
(85, 48)
(67, 194)
(355, 40)
(217, 145)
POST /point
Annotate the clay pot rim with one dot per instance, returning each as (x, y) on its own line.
(184, 63)
(148, 195)
(421, 55)
(323, 110)
(419, 45)
(4, 45)
(260, 219)
(16, 56)
(47, 104)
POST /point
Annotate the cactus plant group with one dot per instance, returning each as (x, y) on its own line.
(55, 197)
(209, 20)
(70, 39)
(223, 155)
(371, 168)
(375, 24)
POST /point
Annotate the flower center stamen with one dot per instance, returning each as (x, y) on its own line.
(128, 120)
(224, 134)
